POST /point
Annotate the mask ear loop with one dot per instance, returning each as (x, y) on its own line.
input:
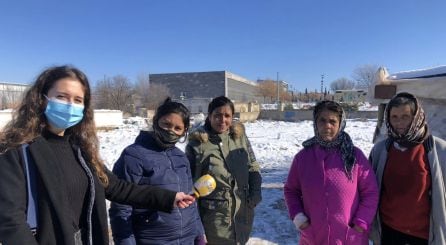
(184, 137)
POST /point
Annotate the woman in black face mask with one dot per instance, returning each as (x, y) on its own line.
(154, 159)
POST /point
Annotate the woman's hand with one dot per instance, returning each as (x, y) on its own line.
(183, 200)
(301, 221)
(304, 225)
(358, 229)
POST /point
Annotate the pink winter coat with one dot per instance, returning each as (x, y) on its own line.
(318, 187)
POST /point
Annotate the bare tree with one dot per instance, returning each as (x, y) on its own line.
(142, 89)
(267, 89)
(342, 84)
(114, 93)
(157, 93)
(364, 75)
(150, 94)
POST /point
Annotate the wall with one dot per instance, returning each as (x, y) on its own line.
(5, 117)
(107, 118)
(299, 115)
(436, 118)
(246, 112)
(192, 84)
(211, 84)
(196, 105)
(103, 118)
(247, 116)
(241, 91)
(11, 94)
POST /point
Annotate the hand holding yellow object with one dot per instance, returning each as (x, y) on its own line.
(204, 186)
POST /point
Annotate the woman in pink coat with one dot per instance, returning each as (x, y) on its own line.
(331, 191)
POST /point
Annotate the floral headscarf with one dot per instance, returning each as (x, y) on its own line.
(343, 142)
(418, 130)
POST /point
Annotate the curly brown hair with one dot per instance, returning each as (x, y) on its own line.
(28, 120)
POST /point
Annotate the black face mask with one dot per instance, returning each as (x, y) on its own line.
(165, 138)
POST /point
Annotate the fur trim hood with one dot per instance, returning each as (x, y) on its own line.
(200, 134)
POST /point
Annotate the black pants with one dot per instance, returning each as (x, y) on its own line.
(394, 237)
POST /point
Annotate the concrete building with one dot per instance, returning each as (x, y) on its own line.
(11, 94)
(350, 96)
(205, 85)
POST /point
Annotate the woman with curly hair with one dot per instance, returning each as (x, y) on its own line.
(52, 136)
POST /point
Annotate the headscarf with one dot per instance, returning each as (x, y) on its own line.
(418, 130)
(343, 142)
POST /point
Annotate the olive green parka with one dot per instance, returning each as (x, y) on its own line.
(228, 212)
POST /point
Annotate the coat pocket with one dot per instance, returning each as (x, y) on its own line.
(306, 235)
(145, 220)
(214, 204)
(215, 212)
(353, 237)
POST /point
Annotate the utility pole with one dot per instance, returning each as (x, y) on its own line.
(322, 83)
(278, 90)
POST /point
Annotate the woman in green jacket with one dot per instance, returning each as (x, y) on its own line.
(220, 148)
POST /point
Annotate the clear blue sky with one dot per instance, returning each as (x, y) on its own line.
(253, 38)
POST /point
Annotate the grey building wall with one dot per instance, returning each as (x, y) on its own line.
(298, 115)
(11, 94)
(240, 91)
(192, 84)
(211, 84)
(197, 105)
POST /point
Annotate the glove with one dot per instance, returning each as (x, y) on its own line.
(299, 220)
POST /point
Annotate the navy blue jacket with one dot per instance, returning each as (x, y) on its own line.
(144, 162)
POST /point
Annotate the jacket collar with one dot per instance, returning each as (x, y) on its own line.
(204, 134)
(147, 140)
(428, 143)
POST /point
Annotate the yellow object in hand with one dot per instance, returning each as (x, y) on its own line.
(204, 186)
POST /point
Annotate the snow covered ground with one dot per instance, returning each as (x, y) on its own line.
(275, 143)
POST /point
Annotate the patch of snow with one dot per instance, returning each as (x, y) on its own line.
(418, 73)
(274, 143)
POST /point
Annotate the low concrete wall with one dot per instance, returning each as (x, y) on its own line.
(247, 116)
(103, 118)
(107, 118)
(5, 117)
(246, 107)
(299, 115)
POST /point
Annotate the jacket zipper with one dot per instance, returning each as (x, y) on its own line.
(178, 189)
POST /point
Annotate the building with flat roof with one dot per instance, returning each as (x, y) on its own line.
(350, 95)
(207, 85)
(11, 94)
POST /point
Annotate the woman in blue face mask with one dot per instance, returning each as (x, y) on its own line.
(49, 154)
(154, 159)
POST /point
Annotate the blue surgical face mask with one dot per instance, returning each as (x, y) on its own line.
(61, 114)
